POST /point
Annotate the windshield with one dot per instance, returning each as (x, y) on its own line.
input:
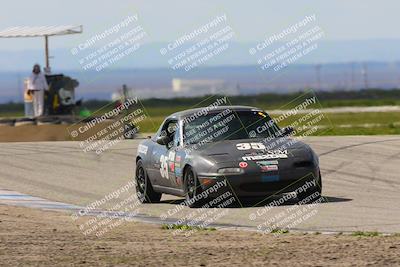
(229, 125)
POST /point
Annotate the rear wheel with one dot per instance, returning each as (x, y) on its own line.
(192, 188)
(144, 189)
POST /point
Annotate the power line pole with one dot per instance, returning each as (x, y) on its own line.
(352, 75)
(365, 75)
(19, 89)
(318, 75)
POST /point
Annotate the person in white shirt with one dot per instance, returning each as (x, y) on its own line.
(36, 85)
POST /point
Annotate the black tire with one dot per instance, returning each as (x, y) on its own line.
(192, 188)
(311, 191)
(144, 189)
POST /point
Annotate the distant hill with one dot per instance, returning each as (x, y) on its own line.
(148, 56)
(342, 66)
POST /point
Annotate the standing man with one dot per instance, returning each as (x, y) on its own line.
(36, 85)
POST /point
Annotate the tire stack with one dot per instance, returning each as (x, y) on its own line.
(47, 121)
(24, 121)
(37, 121)
(7, 122)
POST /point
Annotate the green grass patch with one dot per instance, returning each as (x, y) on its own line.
(12, 114)
(367, 123)
(386, 123)
(336, 131)
(279, 231)
(364, 123)
(362, 233)
(184, 227)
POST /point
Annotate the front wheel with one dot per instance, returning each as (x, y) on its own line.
(144, 189)
(192, 189)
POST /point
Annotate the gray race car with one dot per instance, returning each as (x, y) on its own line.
(239, 149)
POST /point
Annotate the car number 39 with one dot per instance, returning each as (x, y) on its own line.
(247, 146)
(164, 166)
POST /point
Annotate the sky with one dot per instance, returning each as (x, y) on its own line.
(353, 31)
(165, 20)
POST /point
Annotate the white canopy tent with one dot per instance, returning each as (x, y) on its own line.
(41, 31)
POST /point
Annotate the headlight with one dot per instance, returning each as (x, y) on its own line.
(230, 170)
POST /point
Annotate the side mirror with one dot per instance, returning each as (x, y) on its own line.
(288, 131)
(163, 140)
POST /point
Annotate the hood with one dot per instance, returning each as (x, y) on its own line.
(238, 150)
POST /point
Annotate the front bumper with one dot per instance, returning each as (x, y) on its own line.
(253, 183)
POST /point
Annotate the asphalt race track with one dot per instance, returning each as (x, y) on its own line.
(361, 181)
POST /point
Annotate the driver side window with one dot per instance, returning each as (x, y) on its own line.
(177, 136)
(169, 129)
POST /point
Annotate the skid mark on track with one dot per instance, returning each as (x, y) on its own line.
(356, 145)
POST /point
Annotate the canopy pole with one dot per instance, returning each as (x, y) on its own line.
(46, 44)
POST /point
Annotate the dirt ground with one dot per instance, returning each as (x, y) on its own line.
(46, 238)
(27, 133)
(35, 133)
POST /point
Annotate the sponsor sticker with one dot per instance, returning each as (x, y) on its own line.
(177, 161)
(172, 166)
(178, 175)
(268, 165)
(142, 149)
(243, 164)
(272, 154)
(262, 114)
(267, 162)
(171, 156)
(268, 168)
(178, 171)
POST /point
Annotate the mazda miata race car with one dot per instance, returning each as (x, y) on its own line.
(229, 148)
